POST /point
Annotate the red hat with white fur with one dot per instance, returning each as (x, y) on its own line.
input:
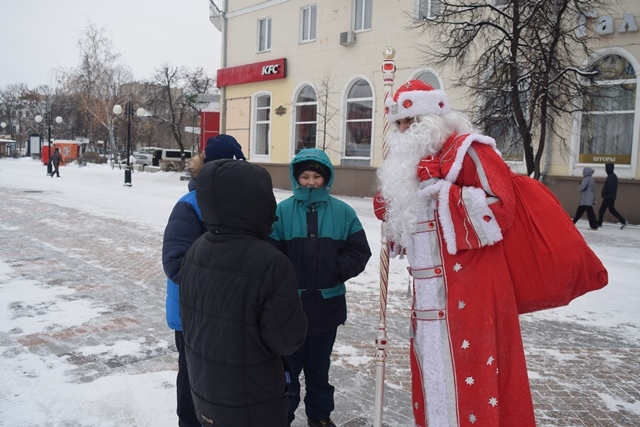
(416, 98)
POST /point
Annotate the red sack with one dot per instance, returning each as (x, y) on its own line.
(549, 260)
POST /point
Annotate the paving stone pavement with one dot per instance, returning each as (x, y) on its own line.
(577, 373)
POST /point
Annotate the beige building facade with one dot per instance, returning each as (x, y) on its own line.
(298, 73)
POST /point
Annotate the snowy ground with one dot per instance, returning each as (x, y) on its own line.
(83, 340)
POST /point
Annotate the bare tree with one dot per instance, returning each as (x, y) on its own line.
(520, 59)
(94, 85)
(328, 128)
(171, 97)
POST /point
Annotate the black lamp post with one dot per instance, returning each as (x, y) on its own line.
(58, 121)
(128, 115)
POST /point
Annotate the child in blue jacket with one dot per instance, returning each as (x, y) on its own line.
(325, 241)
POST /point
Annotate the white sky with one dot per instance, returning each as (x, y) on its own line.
(41, 35)
(41, 387)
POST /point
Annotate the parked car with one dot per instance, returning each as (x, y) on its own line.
(170, 159)
(143, 159)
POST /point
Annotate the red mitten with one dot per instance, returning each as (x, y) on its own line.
(429, 169)
(379, 206)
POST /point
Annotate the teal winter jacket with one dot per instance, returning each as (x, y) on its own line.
(325, 241)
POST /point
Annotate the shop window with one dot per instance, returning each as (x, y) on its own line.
(262, 125)
(358, 124)
(306, 119)
(609, 109)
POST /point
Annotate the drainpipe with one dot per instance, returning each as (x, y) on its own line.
(223, 64)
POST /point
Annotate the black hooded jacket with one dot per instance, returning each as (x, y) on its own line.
(610, 187)
(239, 304)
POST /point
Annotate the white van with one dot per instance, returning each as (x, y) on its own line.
(169, 159)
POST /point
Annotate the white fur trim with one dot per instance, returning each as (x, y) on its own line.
(462, 151)
(475, 201)
(444, 214)
(422, 103)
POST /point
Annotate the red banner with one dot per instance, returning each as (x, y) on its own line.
(256, 72)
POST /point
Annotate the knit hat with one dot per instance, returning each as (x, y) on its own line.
(223, 147)
(415, 98)
(311, 165)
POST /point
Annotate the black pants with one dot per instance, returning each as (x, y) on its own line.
(590, 214)
(608, 203)
(314, 357)
(56, 169)
(186, 412)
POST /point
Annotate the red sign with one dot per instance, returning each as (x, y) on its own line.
(256, 72)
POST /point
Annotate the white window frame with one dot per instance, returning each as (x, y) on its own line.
(360, 19)
(368, 159)
(424, 9)
(623, 171)
(295, 122)
(263, 39)
(416, 75)
(255, 122)
(308, 19)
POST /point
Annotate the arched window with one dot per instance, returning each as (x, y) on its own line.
(609, 108)
(261, 126)
(306, 119)
(429, 78)
(358, 124)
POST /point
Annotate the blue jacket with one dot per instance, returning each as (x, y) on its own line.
(184, 227)
(325, 241)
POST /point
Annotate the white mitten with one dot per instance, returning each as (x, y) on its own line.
(431, 190)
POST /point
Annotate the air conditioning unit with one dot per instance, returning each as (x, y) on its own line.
(347, 38)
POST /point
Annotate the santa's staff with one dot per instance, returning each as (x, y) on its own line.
(388, 74)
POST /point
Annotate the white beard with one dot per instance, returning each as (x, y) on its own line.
(398, 175)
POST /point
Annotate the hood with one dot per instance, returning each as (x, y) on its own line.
(608, 167)
(236, 197)
(311, 195)
(587, 171)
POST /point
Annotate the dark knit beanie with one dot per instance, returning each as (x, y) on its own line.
(223, 147)
(311, 165)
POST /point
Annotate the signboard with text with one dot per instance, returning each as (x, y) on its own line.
(250, 73)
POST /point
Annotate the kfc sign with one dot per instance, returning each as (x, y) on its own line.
(270, 69)
(250, 73)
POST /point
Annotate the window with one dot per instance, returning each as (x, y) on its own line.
(264, 34)
(606, 128)
(308, 23)
(362, 15)
(306, 119)
(262, 125)
(429, 78)
(358, 124)
(428, 9)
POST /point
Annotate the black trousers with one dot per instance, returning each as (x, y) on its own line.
(608, 203)
(186, 412)
(590, 214)
(314, 357)
(56, 169)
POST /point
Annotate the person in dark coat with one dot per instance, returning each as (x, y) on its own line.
(184, 227)
(587, 192)
(325, 241)
(56, 159)
(239, 303)
(609, 194)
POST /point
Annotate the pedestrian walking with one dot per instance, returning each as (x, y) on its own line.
(132, 161)
(475, 235)
(609, 194)
(325, 241)
(56, 160)
(239, 304)
(184, 227)
(587, 190)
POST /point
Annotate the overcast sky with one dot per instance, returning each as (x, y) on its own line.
(38, 36)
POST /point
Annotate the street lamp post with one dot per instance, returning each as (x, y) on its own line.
(128, 115)
(58, 121)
